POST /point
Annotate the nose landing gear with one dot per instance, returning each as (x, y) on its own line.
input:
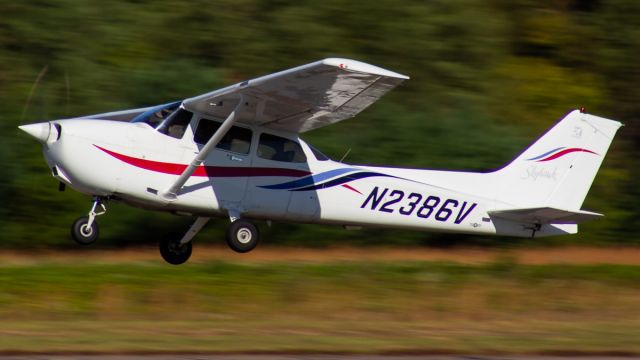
(85, 229)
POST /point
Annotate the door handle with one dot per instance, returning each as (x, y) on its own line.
(235, 158)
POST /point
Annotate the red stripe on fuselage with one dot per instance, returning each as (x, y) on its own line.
(351, 188)
(208, 171)
(565, 152)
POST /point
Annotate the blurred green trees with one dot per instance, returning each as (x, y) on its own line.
(487, 77)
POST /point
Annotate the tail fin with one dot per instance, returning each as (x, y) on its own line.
(558, 169)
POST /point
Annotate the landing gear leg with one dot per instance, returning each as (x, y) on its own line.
(85, 229)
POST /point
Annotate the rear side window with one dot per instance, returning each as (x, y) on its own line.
(319, 156)
(277, 148)
(237, 139)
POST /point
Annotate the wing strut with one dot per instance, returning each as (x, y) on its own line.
(171, 194)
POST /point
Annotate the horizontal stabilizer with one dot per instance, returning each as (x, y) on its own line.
(545, 215)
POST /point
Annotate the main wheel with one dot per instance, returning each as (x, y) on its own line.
(242, 236)
(83, 234)
(175, 253)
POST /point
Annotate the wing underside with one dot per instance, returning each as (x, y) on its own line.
(302, 98)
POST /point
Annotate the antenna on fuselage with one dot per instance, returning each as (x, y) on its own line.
(345, 155)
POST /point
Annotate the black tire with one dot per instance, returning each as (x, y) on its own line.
(82, 234)
(242, 236)
(174, 253)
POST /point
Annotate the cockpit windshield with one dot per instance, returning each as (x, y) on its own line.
(157, 114)
(168, 119)
(176, 123)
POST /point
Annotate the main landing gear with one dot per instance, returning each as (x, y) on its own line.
(85, 229)
(178, 252)
(242, 236)
(174, 252)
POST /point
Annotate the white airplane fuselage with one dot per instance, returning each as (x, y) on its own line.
(133, 162)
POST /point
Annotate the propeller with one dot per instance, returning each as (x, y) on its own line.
(67, 87)
(42, 130)
(41, 75)
(39, 78)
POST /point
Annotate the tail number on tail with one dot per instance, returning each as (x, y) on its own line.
(418, 205)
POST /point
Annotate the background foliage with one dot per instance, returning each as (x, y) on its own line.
(487, 77)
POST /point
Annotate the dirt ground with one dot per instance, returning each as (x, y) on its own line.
(534, 256)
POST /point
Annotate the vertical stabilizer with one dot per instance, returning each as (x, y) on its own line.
(558, 169)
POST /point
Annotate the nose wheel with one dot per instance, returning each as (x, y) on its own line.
(85, 229)
(242, 236)
(83, 232)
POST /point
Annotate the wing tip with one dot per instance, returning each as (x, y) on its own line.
(360, 66)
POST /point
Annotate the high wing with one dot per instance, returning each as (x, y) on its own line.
(545, 215)
(302, 98)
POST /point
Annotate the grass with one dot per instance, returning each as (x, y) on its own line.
(359, 307)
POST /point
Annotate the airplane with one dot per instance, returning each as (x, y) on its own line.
(236, 153)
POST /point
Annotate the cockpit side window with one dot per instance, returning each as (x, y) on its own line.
(277, 148)
(237, 139)
(176, 124)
